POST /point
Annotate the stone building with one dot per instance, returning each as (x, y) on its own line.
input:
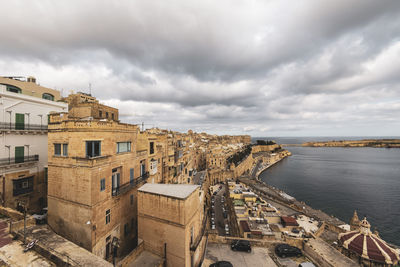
(25, 107)
(83, 105)
(94, 171)
(171, 222)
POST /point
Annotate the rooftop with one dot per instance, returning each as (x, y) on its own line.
(181, 191)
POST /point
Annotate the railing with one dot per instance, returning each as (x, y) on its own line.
(122, 189)
(16, 160)
(22, 126)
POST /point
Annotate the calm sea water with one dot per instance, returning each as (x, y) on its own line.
(341, 180)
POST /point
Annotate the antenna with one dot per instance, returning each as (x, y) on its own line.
(142, 126)
(90, 89)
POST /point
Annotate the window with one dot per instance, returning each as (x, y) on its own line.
(93, 149)
(48, 96)
(19, 154)
(65, 150)
(126, 229)
(102, 184)
(123, 147)
(19, 121)
(57, 150)
(14, 89)
(107, 115)
(112, 116)
(100, 113)
(22, 186)
(115, 180)
(151, 147)
(142, 168)
(131, 175)
(108, 216)
(131, 199)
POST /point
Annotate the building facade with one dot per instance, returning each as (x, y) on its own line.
(25, 107)
(171, 222)
(92, 188)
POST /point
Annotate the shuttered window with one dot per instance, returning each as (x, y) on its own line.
(19, 121)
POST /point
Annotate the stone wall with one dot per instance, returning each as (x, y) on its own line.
(264, 148)
(244, 167)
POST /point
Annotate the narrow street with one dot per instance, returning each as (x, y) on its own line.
(219, 216)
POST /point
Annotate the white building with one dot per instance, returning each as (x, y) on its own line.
(23, 141)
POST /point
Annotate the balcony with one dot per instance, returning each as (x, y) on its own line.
(122, 189)
(18, 160)
(6, 126)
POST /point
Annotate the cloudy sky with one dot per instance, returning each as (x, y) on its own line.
(265, 68)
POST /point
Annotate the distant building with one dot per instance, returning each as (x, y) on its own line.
(25, 107)
(171, 224)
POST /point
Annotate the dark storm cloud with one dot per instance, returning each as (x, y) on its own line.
(229, 67)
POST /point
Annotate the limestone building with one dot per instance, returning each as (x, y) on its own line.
(171, 223)
(25, 107)
(94, 171)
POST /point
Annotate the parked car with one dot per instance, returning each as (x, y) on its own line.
(41, 217)
(285, 250)
(212, 226)
(226, 229)
(306, 264)
(225, 214)
(241, 245)
(221, 264)
(296, 231)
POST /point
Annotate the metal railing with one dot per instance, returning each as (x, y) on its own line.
(22, 126)
(122, 189)
(16, 160)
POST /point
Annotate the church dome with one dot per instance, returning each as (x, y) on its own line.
(368, 245)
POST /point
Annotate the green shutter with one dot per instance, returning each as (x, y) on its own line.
(19, 121)
(19, 154)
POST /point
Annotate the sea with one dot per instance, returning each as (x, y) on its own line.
(339, 181)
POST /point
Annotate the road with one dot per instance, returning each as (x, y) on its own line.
(219, 217)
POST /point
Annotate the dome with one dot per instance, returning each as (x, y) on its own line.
(368, 245)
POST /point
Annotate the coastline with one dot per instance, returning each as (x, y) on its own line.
(291, 202)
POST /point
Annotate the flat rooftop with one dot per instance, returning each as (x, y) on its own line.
(181, 191)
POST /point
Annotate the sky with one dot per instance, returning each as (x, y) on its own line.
(264, 68)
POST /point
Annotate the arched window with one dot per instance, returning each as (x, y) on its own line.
(48, 96)
(14, 89)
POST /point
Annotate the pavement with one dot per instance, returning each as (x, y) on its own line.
(146, 259)
(5, 237)
(330, 254)
(258, 257)
(63, 249)
(13, 255)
